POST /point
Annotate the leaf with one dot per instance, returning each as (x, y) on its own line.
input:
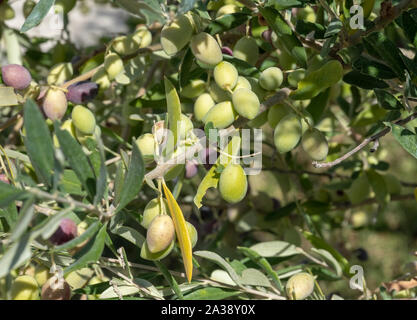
(281, 212)
(91, 252)
(214, 257)
(16, 255)
(327, 256)
(304, 28)
(318, 105)
(25, 217)
(263, 263)
(91, 230)
(406, 138)
(275, 249)
(333, 28)
(254, 277)
(285, 34)
(181, 230)
(227, 22)
(379, 186)
(123, 290)
(243, 68)
(186, 5)
(364, 81)
(146, 9)
(130, 235)
(387, 100)
(373, 68)
(9, 193)
(173, 108)
(8, 97)
(212, 177)
(38, 13)
(38, 142)
(133, 179)
(211, 293)
(170, 279)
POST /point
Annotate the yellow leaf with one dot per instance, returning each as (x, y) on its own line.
(181, 230)
(415, 193)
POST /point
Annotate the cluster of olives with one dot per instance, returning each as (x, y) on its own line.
(160, 236)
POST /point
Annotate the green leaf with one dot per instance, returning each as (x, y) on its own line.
(379, 186)
(406, 138)
(243, 68)
(101, 183)
(254, 277)
(275, 249)
(211, 293)
(130, 235)
(16, 255)
(77, 159)
(318, 105)
(91, 252)
(364, 81)
(214, 257)
(170, 279)
(304, 28)
(373, 68)
(9, 193)
(133, 179)
(150, 10)
(327, 256)
(227, 22)
(38, 142)
(38, 13)
(173, 108)
(25, 217)
(333, 28)
(281, 212)
(285, 34)
(186, 5)
(8, 97)
(387, 100)
(91, 230)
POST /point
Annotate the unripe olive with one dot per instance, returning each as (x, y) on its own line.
(221, 115)
(145, 253)
(41, 274)
(300, 286)
(392, 183)
(185, 126)
(66, 5)
(125, 45)
(28, 7)
(359, 218)
(6, 11)
(202, 105)
(113, 65)
(277, 112)
(359, 189)
(82, 138)
(160, 233)
(206, 49)
(246, 103)
(271, 78)
(56, 290)
(55, 104)
(225, 75)
(153, 209)
(83, 120)
(82, 92)
(296, 76)
(217, 93)
(315, 144)
(16, 76)
(246, 49)
(227, 9)
(242, 82)
(147, 145)
(193, 233)
(66, 231)
(142, 36)
(60, 73)
(193, 89)
(233, 183)
(306, 124)
(25, 288)
(287, 133)
(101, 78)
(79, 278)
(307, 14)
(175, 36)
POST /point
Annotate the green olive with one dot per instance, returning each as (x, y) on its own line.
(147, 146)
(6, 11)
(68, 126)
(306, 124)
(246, 49)
(246, 103)
(125, 45)
(296, 76)
(25, 288)
(185, 127)
(300, 286)
(227, 9)
(242, 82)
(315, 144)
(102, 79)
(41, 274)
(60, 73)
(277, 112)
(83, 120)
(146, 254)
(225, 75)
(233, 183)
(287, 133)
(206, 49)
(202, 105)
(175, 36)
(153, 209)
(221, 115)
(160, 233)
(113, 65)
(359, 190)
(142, 36)
(193, 89)
(271, 78)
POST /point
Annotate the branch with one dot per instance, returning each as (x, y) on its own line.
(363, 144)
(161, 168)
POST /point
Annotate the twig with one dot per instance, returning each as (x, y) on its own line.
(363, 144)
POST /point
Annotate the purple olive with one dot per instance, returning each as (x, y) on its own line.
(227, 50)
(266, 35)
(82, 92)
(66, 231)
(16, 76)
(190, 169)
